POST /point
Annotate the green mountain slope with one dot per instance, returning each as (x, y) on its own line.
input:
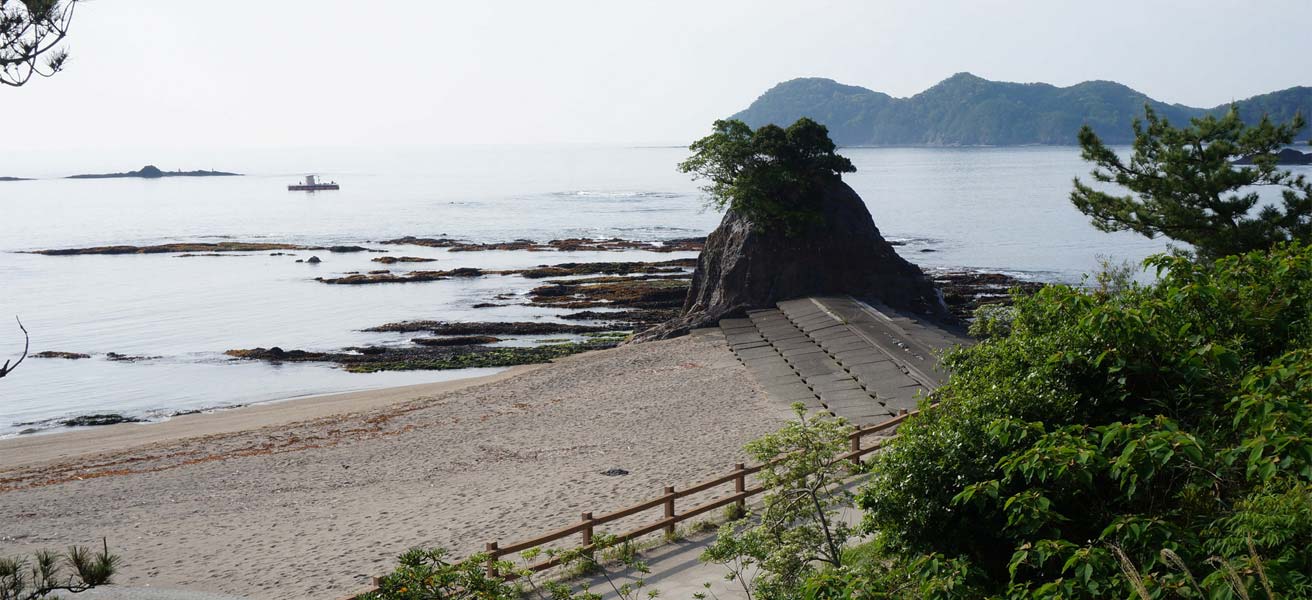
(969, 110)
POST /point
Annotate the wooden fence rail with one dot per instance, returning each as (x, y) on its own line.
(586, 527)
(671, 517)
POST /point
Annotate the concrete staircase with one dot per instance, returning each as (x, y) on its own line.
(862, 362)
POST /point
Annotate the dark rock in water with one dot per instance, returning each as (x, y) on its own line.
(98, 420)
(314, 260)
(463, 340)
(486, 305)
(58, 354)
(746, 266)
(965, 291)
(1287, 156)
(196, 248)
(116, 357)
(420, 357)
(389, 260)
(614, 472)
(494, 328)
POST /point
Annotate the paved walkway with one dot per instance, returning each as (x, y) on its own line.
(862, 362)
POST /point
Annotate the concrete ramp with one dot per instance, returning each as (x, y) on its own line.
(862, 362)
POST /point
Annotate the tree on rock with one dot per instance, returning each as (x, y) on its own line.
(773, 176)
(792, 229)
(1189, 189)
(30, 33)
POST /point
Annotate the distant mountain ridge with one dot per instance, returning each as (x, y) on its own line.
(966, 110)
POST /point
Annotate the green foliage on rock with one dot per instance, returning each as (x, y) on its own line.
(1186, 188)
(1157, 421)
(773, 176)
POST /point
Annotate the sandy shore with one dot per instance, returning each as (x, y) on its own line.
(310, 498)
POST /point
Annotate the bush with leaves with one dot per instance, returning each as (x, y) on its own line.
(1174, 416)
(77, 570)
(796, 532)
(429, 574)
(773, 176)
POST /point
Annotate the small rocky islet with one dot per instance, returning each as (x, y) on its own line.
(153, 172)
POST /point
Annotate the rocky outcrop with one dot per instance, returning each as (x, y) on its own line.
(746, 266)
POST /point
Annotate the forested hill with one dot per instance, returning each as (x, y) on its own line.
(967, 110)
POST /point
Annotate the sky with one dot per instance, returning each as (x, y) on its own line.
(298, 73)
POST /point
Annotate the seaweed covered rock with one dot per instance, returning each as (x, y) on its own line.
(746, 266)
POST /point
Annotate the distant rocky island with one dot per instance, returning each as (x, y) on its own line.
(1287, 156)
(966, 110)
(153, 172)
(14, 179)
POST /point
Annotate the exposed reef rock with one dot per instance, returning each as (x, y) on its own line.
(637, 319)
(153, 172)
(965, 291)
(463, 340)
(565, 245)
(197, 247)
(116, 357)
(99, 420)
(58, 354)
(746, 266)
(391, 260)
(492, 328)
(539, 272)
(630, 293)
(379, 358)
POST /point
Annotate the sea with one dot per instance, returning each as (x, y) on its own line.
(989, 209)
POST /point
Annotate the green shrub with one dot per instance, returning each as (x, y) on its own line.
(1171, 416)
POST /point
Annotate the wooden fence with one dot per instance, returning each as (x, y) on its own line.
(671, 517)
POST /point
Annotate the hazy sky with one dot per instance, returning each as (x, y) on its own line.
(282, 73)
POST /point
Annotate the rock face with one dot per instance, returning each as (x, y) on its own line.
(745, 266)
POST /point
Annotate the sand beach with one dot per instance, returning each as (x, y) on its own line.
(311, 498)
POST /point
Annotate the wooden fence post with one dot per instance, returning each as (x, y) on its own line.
(491, 560)
(669, 509)
(740, 485)
(587, 533)
(856, 442)
(901, 411)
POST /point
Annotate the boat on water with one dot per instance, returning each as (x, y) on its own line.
(312, 184)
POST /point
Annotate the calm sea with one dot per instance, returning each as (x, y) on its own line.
(993, 209)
